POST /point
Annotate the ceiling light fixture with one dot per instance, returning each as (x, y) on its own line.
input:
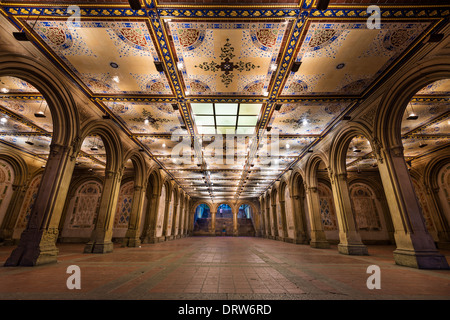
(322, 4)
(135, 4)
(273, 67)
(116, 79)
(4, 90)
(287, 146)
(412, 115)
(180, 65)
(295, 66)
(3, 120)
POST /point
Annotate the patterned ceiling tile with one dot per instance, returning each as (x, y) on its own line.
(109, 57)
(425, 111)
(27, 109)
(345, 58)
(15, 85)
(417, 146)
(35, 144)
(436, 128)
(306, 117)
(227, 58)
(437, 87)
(147, 118)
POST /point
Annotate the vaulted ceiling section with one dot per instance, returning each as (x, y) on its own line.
(210, 90)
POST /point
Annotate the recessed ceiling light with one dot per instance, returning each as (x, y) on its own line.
(287, 146)
(265, 93)
(180, 65)
(163, 145)
(305, 122)
(5, 90)
(273, 67)
(146, 121)
(116, 79)
(3, 120)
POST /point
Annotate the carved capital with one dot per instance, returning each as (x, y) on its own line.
(396, 151)
(312, 189)
(57, 149)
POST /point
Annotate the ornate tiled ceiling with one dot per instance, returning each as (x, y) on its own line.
(224, 68)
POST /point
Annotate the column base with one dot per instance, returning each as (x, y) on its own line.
(131, 242)
(420, 259)
(97, 247)
(353, 249)
(320, 244)
(35, 248)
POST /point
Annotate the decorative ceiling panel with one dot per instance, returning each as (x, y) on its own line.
(28, 109)
(15, 85)
(147, 118)
(424, 111)
(108, 57)
(306, 118)
(346, 58)
(225, 58)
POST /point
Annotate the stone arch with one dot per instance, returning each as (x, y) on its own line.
(111, 141)
(139, 166)
(340, 144)
(312, 165)
(66, 123)
(18, 165)
(389, 115)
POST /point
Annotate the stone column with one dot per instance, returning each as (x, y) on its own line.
(269, 222)
(151, 220)
(275, 221)
(300, 235)
(37, 244)
(415, 246)
(180, 219)
(349, 238)
(318, 238)
(284, 234)
(439, 220)
(173, 234)
(12, 214)
(165, 231)
(101, 237)
(132, 236)
(213, 224)
(235, 224)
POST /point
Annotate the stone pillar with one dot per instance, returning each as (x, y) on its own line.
(37, 244)
(439, 219)
(173, 234)
(180, 220)
(300, 235)
(151, 220)
(275, 221)
(263, 221)
(415, 246)
(269, 222)
(213, 224)
(132, 236)
(101, 237)
(235, 224)
(318, 238)
(12, 214)
(349, 238)
(165, 231)
(284, 234)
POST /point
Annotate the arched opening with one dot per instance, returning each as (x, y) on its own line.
(6, 187)
(372, 218)
(26, 129)
(424, 134)
(405, 126)
(202, 219)
(246, 220)
(299, 205)
(224, 220)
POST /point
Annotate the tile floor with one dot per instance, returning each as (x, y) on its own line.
(200, 268)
